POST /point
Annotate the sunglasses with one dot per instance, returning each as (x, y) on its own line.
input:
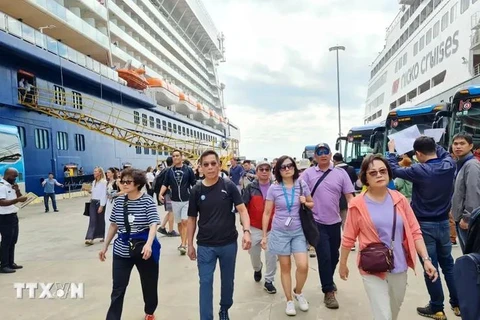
(288, 166)
(264, 169)
(124, 182)
(209, 164)
(375, 173)
(322, 152)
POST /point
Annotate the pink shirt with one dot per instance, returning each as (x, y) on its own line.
(327, 196)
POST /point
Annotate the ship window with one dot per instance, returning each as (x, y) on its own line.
(79, 142)
(59, 95)
(136, 117)
(154, 152)
(77, 100)
(436, 29)
(169, 127)
(439, 78)
(445, 21)
(146, 151)
(152, 121)
(422, 43)
(424, 87)
(41, 139)
(138, 150)
(412, 94)
(428, 38)
(164, 125)
(464, 4)
(436, 3)
(62, 140)
(159, 124)
(144, 119)
(415, 49)
(174, 128)
(179, 129)
(405, 59)
(453, 12)
(21, 133)
(183, 130)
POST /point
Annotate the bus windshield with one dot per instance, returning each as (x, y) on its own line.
(468, 121)
(308, 152)
(356, 148)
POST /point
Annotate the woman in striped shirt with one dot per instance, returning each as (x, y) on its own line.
(140, 212)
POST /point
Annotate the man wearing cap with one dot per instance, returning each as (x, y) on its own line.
(248, 173)
(254, 198)
(328, 184)
(236, 172)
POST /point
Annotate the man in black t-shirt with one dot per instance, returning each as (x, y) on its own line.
(212, 200)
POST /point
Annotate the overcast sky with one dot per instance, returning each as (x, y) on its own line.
(280, 77)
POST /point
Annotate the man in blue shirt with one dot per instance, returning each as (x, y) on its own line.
(49, 190)
(432, 180)
(236, 172)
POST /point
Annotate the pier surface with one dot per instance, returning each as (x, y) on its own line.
(51, 249)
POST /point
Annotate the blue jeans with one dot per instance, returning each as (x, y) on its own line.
(437, 239)
(462, 236)
(45, 200)
(328, 254)
(207, 261)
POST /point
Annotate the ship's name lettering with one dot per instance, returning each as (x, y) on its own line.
(441, 52)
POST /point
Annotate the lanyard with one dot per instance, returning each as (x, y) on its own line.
(289, 203)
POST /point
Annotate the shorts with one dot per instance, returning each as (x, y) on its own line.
(284, 243)
(168, 202)
(180, 210)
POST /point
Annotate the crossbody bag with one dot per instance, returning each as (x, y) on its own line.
(135, 246)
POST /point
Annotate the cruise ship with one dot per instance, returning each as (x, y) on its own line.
(432, 48)
(111, 83)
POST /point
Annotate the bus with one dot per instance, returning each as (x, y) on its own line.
(465, 113)
(308, 152)
(425, 117)
(11, 154)
(359, 142)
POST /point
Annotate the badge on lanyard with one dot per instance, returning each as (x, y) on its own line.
(131, 218)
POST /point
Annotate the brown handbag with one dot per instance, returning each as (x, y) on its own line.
(377, 257)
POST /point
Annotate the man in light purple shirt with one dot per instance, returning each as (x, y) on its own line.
(326, 197)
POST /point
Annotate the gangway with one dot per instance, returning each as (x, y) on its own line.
(101, 117)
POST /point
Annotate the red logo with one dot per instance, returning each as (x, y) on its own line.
(464, 105)
(395, 86)
(394, 123)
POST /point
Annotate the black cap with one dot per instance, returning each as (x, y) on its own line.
(338, 157)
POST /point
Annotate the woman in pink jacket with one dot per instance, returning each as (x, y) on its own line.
(370, 220)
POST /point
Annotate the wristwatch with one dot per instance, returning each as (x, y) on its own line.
(426, 258)
(246, 230)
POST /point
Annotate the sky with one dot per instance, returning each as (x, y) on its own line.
(281, 86)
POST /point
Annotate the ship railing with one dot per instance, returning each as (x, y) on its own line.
(121, 125)
(43, 41)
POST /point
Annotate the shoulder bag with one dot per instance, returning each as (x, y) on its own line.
(309, 225)
(135, 245)
(377, 257)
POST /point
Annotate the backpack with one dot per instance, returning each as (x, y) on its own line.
(467, 281)
(199, 185)
(472, 245)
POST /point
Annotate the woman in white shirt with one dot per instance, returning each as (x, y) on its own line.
(96, 225)
(150, 178)
(113, 191)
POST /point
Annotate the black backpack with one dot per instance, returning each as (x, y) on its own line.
(467, 282)
(472, 244)
(199, 186)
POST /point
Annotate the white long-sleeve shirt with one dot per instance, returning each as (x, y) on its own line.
(99, 192)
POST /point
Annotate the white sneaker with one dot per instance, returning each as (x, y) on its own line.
(290, 310)
(302, 302)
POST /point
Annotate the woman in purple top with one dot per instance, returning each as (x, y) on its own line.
(286, 237)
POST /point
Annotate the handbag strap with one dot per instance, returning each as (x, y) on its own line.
(320, 181)
(394, 226)
(125, 216)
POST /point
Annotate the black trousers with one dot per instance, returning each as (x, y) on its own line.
(122, 268)
(328, 254)
(9, 233)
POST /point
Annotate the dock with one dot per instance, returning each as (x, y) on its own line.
(51, 249)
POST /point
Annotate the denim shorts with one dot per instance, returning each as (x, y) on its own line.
(286, 242)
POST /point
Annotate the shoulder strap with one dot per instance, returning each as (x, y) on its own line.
(301, 187)
(320, 181)
(125, 216)
(394, 225)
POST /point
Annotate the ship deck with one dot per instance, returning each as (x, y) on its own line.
(51, 249)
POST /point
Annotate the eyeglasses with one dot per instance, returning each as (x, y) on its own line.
(264, 169)
(288, 166)
(375, 173)
(210, 164)
(124, 182)
(322, 152)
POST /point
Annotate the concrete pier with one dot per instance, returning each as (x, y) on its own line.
(51, 249)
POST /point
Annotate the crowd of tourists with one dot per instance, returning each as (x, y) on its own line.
(289, 208)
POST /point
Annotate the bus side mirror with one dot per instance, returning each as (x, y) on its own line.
(337, 145)
(372, 141)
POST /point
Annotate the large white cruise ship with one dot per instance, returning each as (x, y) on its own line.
(431, 48)
(110, 82)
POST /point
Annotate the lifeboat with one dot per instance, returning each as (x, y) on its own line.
(165, 93)
(223, 123)
(135, 77)
(186, 105)
(213, 119)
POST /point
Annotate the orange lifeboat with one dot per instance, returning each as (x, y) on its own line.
(187, 105)
(134, 77)
(165, 93)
